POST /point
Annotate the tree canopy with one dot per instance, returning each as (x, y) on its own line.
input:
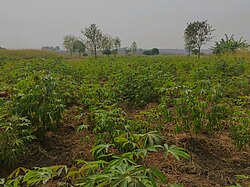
(197, 34)
(94, 37)
(79, 47)
(68, 43)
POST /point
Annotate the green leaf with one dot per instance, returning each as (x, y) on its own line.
(177, 152)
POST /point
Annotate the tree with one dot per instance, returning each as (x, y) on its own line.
(155, 51)
(68, 43)
(117, 45)
(197, 34)
(229, 45)
(106, 43)
(134, 47)
(94, 37)
(79, 47)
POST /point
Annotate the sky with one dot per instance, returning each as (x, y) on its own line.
(151, 23)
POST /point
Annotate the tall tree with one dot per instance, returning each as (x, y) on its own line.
(68, 43)
(79, 47)
(94, 37)
(117, 45)
(197, 34)
(134, 47)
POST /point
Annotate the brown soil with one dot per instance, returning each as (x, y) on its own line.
(215, 159)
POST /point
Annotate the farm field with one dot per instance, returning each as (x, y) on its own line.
(137, 120)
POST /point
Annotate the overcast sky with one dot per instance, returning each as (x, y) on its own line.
(151, 23)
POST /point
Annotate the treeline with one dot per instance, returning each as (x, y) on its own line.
(96, 41)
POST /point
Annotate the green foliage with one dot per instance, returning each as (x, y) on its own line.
(94, 37)
(79, 47)
(240, 130)
(229, 45)
(96, 173)
(69, 43)
(38, 98)
(22, 176)
(177, 152)
(197, 34)
(15, 134)
(127, 102)
(153, 51)
(241, 178)
(195, 109)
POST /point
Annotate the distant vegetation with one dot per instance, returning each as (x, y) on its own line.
(48, 48)
(29, 53)
(153, 51)
(95, 41)
(229, 45)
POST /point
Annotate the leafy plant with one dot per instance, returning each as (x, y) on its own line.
(176, 151)
(30, 177)
(14, 136)
(229, 45)
(39, 99)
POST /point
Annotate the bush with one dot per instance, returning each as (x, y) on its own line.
(153, 51)
(38, 98)
(15, 133)
(229, 45)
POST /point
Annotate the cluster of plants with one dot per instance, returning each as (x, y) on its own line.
(33, 104)
(200, 96)
(229, 45)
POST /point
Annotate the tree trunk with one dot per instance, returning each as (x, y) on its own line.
(95, 53)
(199, 52)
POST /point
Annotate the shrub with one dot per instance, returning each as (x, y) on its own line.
(229, 45)
(153, 51)
(38, 98)
(15, 133)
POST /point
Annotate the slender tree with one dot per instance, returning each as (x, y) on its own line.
(197, 34)
(94, 37)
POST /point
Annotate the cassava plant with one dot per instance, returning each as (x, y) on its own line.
(38, 98)
(14, 136)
